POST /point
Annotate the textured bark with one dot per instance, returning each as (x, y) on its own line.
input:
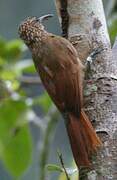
(86, 28)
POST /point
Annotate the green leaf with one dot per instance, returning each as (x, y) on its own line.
(25, 66)
(17, 153)
(72, 172)
(8, 75)
(113, 27)
(15, 138)
(53, 167)
(2, 62)
(44, 101)
(30, 69)
(62, 176)
(13, 49)
(72, 177)
(11, 113)
(4, 93)
(2, 47)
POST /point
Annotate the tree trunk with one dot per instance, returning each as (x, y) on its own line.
(83, 23)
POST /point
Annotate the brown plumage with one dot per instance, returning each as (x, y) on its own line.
(61, 72)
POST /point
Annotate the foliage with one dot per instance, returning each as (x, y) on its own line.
(15, 137)
(111, 15)
(72, 172)
(112, 26)
(16, 107)
(15, 113)
(16, 149)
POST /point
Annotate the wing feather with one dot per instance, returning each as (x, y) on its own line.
(62, 82)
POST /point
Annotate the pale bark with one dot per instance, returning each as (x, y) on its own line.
(85, 27)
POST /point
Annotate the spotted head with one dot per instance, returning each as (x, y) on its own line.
(31, 29)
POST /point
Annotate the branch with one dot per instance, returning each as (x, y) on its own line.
(63, 166)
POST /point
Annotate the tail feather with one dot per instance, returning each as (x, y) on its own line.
(83, 138)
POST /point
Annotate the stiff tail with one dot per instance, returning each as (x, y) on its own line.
(83, 139)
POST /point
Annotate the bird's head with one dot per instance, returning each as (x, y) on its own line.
(30, 30)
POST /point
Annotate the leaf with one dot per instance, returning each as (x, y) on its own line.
(8, 75)
(2, 47)
(13, 49)
(113, 27)
(53, 167)
(30, 69)
(62, 176)
(4, 93)
(26, 66)
(2, 62)
(15, 138)
(72, 177)
(17, 153)
(72, 172)
(15, 85)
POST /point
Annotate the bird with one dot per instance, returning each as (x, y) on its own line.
(62, 73)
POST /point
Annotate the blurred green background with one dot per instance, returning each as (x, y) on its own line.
(30, 130)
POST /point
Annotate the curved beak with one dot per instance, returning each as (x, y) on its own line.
(45, 17)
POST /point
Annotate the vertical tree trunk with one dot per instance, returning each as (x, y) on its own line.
(83, 23)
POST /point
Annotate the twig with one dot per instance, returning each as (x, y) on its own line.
(63, 166)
